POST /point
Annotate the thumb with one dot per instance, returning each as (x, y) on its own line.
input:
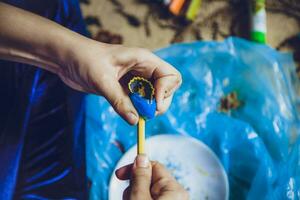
(119, 100)
(140, 182)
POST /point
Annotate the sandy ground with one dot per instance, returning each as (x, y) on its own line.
(279, 26)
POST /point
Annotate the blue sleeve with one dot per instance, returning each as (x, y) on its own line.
(42, 143)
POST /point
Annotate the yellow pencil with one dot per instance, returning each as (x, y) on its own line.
(141, 136)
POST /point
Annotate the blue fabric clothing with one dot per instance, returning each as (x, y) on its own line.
(42, 143)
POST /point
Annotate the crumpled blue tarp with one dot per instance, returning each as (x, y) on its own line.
(257, 142)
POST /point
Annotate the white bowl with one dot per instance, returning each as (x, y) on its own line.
(192, 163)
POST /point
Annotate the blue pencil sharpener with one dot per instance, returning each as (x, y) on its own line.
(142, 97)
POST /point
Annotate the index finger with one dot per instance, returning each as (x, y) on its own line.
(166, 78)
(160, 172)
(124, 173)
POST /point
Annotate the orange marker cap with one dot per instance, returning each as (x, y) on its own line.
(176, 6)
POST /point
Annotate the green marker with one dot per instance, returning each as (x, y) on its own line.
(193, 9)
(259, 26)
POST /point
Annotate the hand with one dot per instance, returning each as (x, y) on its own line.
(150, 181)
(106, 69)
(82, 63)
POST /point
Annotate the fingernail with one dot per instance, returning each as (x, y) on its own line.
(141, 161)
(132, 118)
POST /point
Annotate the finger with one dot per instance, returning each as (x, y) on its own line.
(165, 86)
(150, 66)
(141, 178)
(165, 185)
(159, 172)
(159, 187)
(124, 173)
(165, 105)
(161, 177)
(119, 100)
(126, 194)
(165, 75)
(166, 78)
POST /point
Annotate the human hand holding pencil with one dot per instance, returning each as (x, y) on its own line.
(150, 180)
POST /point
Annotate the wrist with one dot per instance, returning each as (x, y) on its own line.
(63, 48)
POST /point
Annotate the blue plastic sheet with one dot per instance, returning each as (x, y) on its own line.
(257, 142)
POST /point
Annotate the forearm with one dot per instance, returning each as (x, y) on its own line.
(31, 39)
